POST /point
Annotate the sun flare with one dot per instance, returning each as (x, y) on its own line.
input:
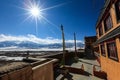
(35, 11)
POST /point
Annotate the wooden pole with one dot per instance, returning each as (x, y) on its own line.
(27, 55)
(63, 39)
(75, 45)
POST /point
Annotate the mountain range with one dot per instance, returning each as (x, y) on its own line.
(32, 45)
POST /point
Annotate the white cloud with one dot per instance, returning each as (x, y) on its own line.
(33, 38)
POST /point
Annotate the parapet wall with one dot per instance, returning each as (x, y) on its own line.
(41, 71)
(20, 74)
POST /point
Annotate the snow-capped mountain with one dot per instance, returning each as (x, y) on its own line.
(32, 45)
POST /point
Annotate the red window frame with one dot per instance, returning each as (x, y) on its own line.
(100, 30)
(108, 23)
(112, 50)
(102, 46)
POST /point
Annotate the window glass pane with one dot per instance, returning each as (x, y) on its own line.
(108, 23)
(103, 50)
(112, 51)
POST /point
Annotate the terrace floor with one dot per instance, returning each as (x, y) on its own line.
(88, 67)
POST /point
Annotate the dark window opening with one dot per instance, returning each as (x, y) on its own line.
(100, 31)
(117, 7)
(112, 50)
(96, 49)
(102, 50)
(88, 47)
(108, 23)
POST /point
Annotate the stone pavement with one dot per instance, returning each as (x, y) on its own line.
(88, 67)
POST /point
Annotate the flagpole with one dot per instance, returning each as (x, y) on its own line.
(63, 43)
(75, 45)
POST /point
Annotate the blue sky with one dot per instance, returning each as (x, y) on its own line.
(77, 16)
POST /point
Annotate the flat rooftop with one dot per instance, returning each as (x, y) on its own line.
(8, 66)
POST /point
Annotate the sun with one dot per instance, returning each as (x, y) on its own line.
(35, 11)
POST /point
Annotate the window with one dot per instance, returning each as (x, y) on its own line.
(112, 51)
(100, 31)
(96, 49)
(88, 46)
(117, 7)
(108, 22)
(103, 49)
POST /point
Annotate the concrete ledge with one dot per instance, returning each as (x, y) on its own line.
(47, 62)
